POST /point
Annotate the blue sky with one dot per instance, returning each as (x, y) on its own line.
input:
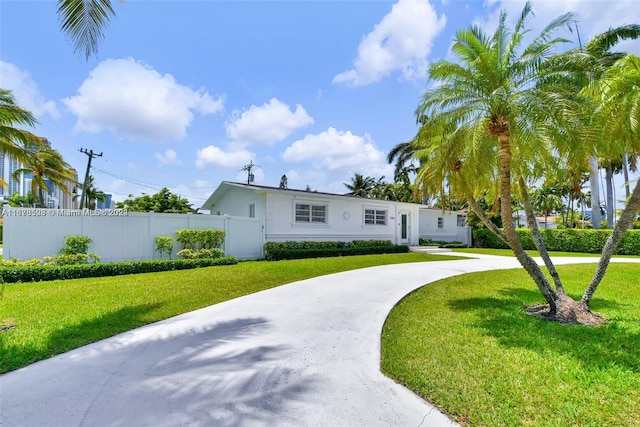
(183, 94)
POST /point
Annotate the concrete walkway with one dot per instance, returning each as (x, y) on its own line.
(304, 354)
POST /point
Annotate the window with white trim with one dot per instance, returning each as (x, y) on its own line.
(440, 222)
(375, 216)
(312, 214)
(252, 210)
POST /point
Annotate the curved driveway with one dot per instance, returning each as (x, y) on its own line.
(304, 354)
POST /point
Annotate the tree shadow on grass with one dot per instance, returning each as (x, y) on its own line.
(504, 318)
(67, 338)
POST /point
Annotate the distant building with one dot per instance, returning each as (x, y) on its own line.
(54, 198)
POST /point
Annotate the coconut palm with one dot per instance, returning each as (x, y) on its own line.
(13, 140)
(46, 166)
(495, 116)
(360, 186)
(84, 22)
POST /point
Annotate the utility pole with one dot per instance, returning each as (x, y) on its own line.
(250, 176)
(91, 155)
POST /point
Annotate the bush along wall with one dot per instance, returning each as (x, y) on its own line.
(275, 251)
(564, 240)
(39, 273)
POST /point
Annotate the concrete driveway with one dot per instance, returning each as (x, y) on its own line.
(304, 354)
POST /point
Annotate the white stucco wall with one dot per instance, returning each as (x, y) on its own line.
(236, 202)
(429, 225)
(345, 219)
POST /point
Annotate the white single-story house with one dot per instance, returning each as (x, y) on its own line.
(314, 216)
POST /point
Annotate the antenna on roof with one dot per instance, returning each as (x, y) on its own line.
(250, 176)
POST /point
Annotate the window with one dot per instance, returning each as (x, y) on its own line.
(440, 222)
(252, 210)
(315, 214)
(375, 216)
(462, 219)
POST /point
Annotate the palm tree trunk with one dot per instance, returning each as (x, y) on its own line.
(595, 193)
(625, 171)
(612, 242)
(504, 154)
(537, 237)
(609, 183)
(475, 207)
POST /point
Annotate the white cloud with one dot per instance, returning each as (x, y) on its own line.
(335, 150)
(214, 156)
(594, 17)
(401, 41)
(269, 123)
(136, 102)
(170, 157)
(25, 91)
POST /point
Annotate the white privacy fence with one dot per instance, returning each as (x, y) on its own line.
(119, 235)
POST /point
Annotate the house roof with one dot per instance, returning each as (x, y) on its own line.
(227, 185)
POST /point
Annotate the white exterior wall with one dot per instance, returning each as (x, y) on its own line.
(118, 238)
(236, 203)
(345, 219)
(449, 232)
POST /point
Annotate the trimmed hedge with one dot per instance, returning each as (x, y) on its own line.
(563, 240)
(441, 243)
(276, 251)
(41, 273)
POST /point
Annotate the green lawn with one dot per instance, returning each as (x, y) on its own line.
(466, 345)
(53, 317)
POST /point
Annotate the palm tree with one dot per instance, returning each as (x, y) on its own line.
(360, 186)
(546, 200)
(91, 194)
(14, 141)
(84, 22)
(496, 104)
(598, 51)
(619, 117)
(46, 166)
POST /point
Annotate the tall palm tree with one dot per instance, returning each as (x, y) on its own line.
(500, 102)
(84, 22)
(598, 52)
(45, 164)
(360, 186)
(13, 140)
(618, 116)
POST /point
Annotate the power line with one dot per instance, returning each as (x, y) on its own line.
(152, 186)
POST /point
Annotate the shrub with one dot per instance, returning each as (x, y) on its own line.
(441, 243)
(200, 254)
(294, 250)
(200, 239)
(187, 238)
(61, 272)
(75, 245)
(164, 244)
(564, 240)
(210, 239)
(186, 254)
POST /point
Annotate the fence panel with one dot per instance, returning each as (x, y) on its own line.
(117, 236)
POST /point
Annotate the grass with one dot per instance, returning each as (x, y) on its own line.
(49, 318)
(509, 252)
(466, 345)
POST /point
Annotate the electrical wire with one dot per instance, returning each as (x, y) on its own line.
(151, 186)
